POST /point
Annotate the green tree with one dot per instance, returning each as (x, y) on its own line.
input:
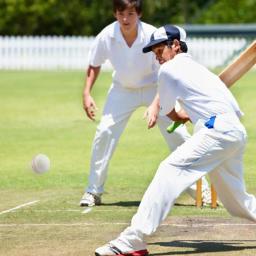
(54, 17)
(229, 11)
(89, 17)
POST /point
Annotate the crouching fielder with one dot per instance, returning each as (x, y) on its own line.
(215, 149)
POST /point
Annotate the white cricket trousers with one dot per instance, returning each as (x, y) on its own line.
(217, 151)
(119, 106)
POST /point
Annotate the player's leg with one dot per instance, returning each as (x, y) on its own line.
(119, 106)
(175, 139)
(168, 183)
(229, 184)
(203, 152)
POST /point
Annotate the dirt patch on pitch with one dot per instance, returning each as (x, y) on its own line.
(204, 236)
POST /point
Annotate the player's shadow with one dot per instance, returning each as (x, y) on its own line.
(184, 205)
(136, 203)
(123, 203)
(205, 246)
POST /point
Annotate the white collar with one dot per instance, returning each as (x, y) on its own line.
(116, 33)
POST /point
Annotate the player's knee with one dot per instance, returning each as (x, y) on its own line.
(165, 167)
(169, 163)
(168, 176)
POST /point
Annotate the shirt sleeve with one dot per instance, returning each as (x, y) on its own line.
(167, 92)
(98, 53)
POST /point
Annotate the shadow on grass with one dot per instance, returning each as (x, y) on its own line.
(137, 203)
(123, 203)
(186, 205)
(203, 246)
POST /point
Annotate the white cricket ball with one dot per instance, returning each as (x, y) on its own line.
(40, 163)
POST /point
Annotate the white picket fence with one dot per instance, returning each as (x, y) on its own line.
(71, 53)
(216, 52)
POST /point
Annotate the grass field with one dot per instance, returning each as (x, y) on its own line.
(41, 112)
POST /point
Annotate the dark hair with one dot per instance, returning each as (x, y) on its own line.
(183, 45)
(121, 5)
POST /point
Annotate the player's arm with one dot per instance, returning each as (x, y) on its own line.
(178, 116)
(152, 112)
(88, 101)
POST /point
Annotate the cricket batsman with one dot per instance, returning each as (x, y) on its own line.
(215, 149)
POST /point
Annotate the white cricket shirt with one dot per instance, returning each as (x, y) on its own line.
(132, 67)
(200, 92)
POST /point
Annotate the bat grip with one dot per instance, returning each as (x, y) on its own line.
(173, 126)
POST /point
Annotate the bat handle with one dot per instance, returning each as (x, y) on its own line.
(173, 126)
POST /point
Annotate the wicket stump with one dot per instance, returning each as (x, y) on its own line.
(199, 201)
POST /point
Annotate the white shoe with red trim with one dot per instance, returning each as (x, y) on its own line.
(111, 250)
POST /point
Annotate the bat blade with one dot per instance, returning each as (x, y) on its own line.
(239, 66)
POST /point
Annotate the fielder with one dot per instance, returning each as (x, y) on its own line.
(133, 86)
(216, 148)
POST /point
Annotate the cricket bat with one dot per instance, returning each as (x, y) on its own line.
(233, 72)
(239, 66)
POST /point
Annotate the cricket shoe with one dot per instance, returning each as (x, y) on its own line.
(111, 250)
(90, 199)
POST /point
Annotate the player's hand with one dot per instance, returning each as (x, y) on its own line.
(151, 114)
(89, 107)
